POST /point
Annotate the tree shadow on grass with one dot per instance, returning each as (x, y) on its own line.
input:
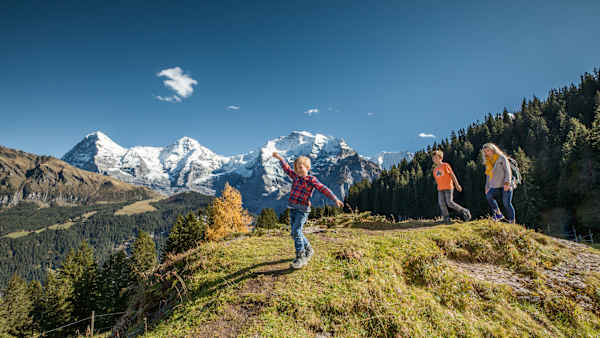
(209, 288)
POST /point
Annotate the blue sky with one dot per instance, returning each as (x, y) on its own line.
(378, 72)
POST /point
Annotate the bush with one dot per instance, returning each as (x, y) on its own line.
(284, 218)
(267, 219)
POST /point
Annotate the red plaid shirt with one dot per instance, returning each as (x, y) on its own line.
(302, 187)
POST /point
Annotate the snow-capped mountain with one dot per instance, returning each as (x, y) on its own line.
(387, 159)
(187, 165)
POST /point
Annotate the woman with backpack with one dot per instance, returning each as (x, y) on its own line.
(498, 181)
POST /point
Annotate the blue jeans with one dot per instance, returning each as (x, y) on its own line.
(297, 220)
(494, 193)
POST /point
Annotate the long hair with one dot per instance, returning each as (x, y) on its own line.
(494, 148)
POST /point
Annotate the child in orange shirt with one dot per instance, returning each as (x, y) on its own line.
(446, 181)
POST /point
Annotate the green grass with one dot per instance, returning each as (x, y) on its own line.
(395, 282)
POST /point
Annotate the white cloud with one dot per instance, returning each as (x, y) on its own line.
(426, 135)
(173, 98)
(370, 114)
(179, 82)
(312, 111)
(233, 107)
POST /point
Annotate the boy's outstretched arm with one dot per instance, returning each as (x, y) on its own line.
(285, 166)
(327, 192)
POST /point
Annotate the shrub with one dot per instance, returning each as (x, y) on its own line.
(267, 219)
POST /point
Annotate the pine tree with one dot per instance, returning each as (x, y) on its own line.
(4, 326)
(284, 218)
(227, 215)
(186, 233)
(143, 254)
(267, 219)
(80, 270)
(37, 297)
(17, 305)
(57, 304)
(115, 281)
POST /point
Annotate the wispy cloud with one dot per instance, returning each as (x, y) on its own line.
(233, 107)
(312, 111)
(173, 98)
(370, 114)
(181, 83)
(426, 135)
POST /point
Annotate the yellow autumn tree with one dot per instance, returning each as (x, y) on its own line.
(227, 215)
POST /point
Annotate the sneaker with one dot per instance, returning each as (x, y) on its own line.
(467, 215)
(497, 217)
(300, 260)
(309, 253)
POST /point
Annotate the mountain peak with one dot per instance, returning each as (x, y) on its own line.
(187, 144)
(95, 152)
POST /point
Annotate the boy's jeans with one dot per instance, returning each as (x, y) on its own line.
(297, 220)
(506, 200)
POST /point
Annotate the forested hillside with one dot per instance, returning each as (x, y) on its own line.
(31, 253)
(556, 142)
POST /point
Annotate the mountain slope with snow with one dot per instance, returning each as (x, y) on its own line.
(187, 165)
(386, 159)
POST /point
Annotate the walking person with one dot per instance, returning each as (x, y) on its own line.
(446, 182)
(498, 182)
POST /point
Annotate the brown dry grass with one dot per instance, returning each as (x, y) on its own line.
(138, 207)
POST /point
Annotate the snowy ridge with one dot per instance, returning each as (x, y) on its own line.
(187, 165)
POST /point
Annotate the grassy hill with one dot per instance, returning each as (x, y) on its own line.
(376, 279)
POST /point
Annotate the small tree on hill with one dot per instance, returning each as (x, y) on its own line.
(57, 303)
(226, 215)
(267, 219)
(115, 279)
(186, 233)
(143, 254)
(17, 305)
(80, 269)
(284, 218)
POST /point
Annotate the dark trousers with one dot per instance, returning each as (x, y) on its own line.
(445, 200)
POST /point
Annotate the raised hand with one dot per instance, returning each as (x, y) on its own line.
(277, 156)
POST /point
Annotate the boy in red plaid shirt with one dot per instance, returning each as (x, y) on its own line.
(299, 204)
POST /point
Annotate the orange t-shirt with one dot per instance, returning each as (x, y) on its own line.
(443, 177)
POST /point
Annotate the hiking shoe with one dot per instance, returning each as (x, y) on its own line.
(309, 253)
(467, 215)
(300, 261)
(497, 217)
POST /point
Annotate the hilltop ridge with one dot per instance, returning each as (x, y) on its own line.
(377, 279)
